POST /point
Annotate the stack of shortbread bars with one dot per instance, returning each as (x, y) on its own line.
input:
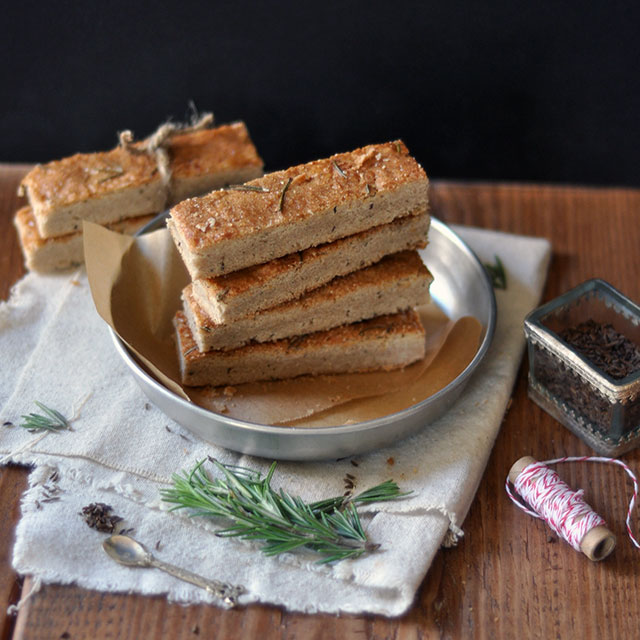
(123, 188)
(311, 270)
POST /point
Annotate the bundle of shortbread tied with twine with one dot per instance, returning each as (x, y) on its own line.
(123, 188)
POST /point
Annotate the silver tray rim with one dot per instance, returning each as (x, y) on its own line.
(318, 437)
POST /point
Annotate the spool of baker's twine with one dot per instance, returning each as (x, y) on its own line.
(563, 509)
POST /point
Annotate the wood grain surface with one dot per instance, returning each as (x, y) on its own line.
(509, 577)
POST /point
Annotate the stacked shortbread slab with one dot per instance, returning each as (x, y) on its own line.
(62, 252)
(122, 187)
(311, 270)
(386, 342)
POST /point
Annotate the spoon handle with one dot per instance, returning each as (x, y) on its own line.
(226, 592)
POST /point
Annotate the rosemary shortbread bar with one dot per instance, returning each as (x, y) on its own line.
(301, 207)
(398, 282)
(55, 254)
(385, 342)
(108, 186)
(263, 286)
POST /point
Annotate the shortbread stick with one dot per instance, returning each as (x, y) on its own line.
(301, 207)
(64, 252)
(385, 342)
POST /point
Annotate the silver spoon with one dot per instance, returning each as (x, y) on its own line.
(132, 553)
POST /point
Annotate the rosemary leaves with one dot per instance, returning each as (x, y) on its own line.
(246, 187)
(283, 522)
(282, 194)
(52, 420)
(339, 171)
(109, 173)
(497, 274)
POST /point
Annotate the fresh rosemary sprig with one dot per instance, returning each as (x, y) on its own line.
(497, 274)
(284, 522)
(52, 420)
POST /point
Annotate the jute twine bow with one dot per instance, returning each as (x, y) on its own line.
(157, 143)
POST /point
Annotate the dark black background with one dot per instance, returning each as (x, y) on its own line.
(500, 90)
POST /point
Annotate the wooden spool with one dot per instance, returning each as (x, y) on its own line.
(597, 543)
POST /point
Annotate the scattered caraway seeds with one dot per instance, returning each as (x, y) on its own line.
(98, 516)
(349, 481)
(606, 348)
(178, 434)
(52, 420)
(284, 523)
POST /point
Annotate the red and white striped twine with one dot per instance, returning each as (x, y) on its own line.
(563, 509)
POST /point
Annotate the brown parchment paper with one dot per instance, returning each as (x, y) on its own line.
(136, 285)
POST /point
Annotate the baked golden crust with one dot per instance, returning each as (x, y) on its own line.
(84, 176)
(225, 148)
(25, 225)
(285, 197)
(406, 264)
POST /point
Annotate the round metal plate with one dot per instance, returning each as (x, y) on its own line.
(461, 287)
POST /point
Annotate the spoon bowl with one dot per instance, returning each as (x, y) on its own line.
(127, 551)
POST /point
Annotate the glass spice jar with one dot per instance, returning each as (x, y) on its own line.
(584, 365)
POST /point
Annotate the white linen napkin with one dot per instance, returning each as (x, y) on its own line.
(122, 450)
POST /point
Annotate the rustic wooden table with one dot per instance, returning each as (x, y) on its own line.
(508, 578)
